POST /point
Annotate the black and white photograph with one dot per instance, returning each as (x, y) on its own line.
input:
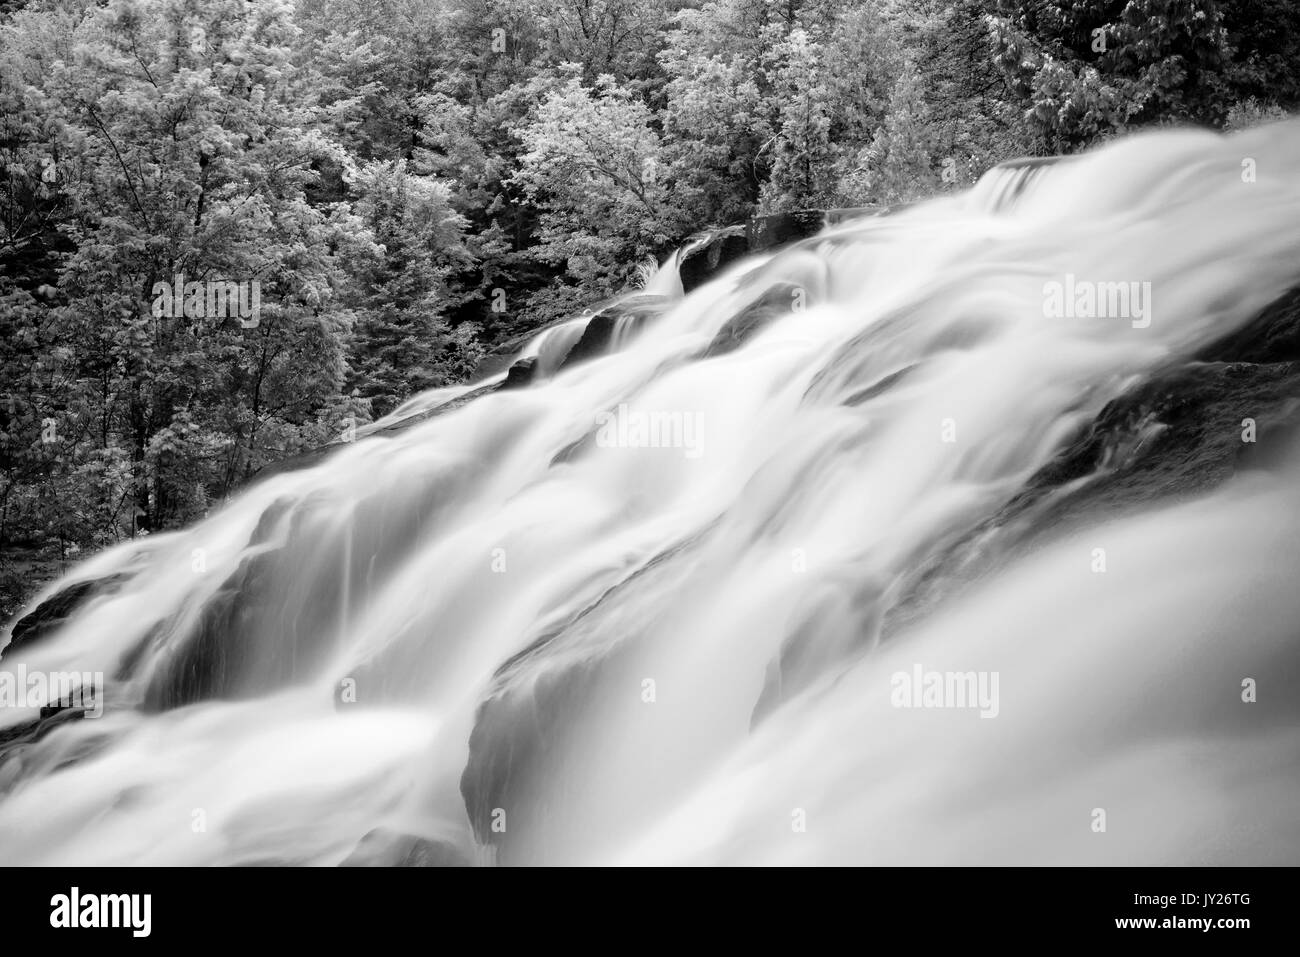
(650, 433)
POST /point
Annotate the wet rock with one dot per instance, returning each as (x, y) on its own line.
(515, 749)
(518, 748)
(704, 258)
(706, 255)
(277, 616)
(505, 352)
(598, 337)
(835, 217)
(521, 373)
(838, 617)
(594, 341)
(1272, 336)
(51, 614)
(211, 661)
(16, 741)
(1178, 434)
(881, 386)
(777, 301)
(384, 848)
(1174, 436)
(218, 656)
(765, 232)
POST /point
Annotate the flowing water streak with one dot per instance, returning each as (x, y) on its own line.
(511, 551)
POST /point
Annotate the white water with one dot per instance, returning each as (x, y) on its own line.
(800, 514)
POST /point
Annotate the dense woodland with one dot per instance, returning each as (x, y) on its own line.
(411, 182)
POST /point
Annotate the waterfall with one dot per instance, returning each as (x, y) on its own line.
(1003, 186)
(654, 607)
(554, 344)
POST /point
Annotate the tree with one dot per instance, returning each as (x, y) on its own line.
(604, 37)
(1096, 67)
(402, 343)
(803, 157)
(186, 140)
(593, 163)
(715, 122)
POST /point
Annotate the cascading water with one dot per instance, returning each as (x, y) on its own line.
(652, 608)
(554, 344)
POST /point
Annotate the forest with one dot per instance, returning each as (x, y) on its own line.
(233, 231)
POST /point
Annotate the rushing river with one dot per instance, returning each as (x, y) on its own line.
(650, 608)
